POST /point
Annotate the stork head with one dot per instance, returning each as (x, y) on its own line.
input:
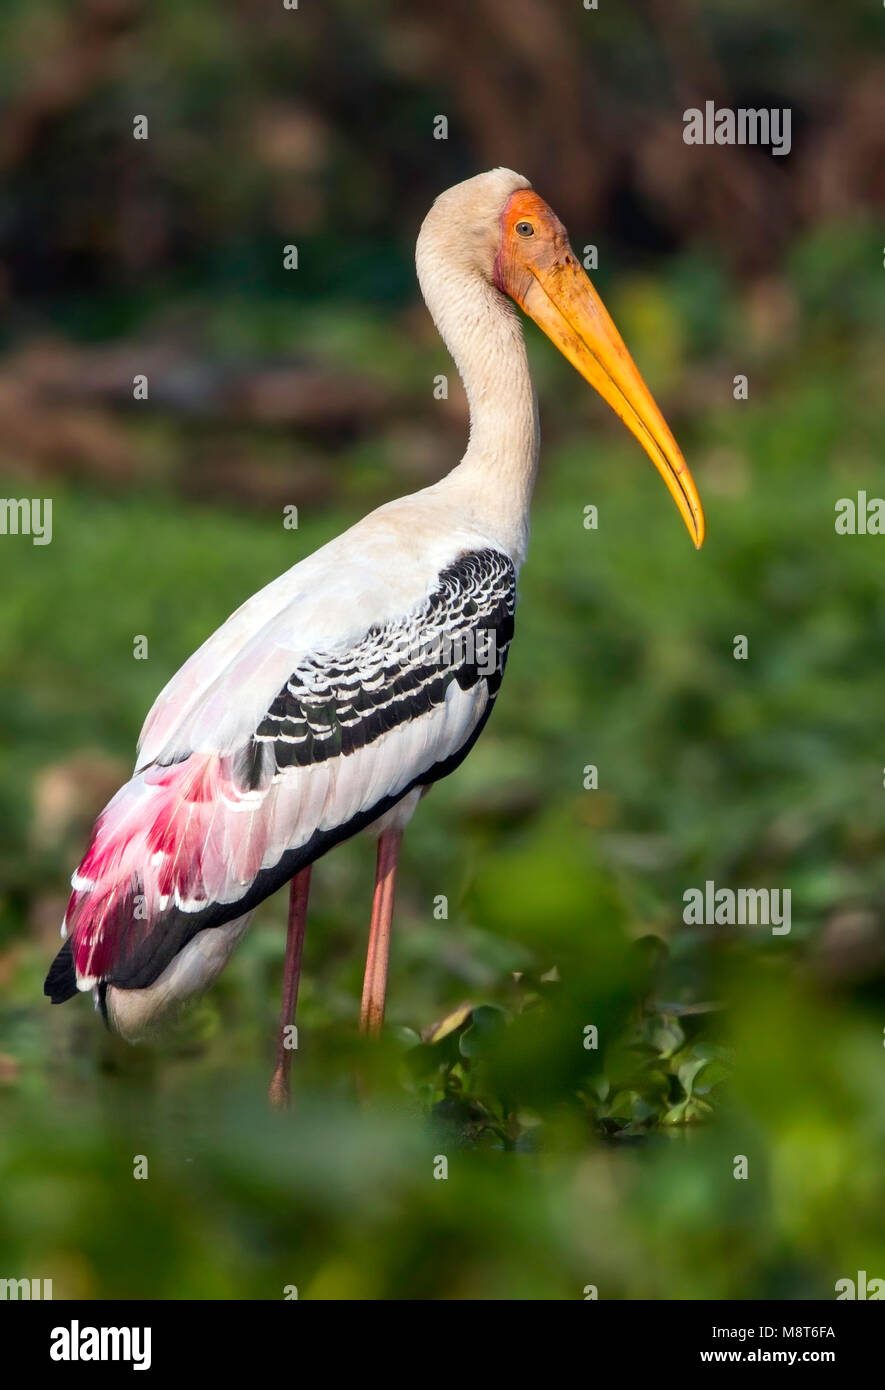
(496, 227)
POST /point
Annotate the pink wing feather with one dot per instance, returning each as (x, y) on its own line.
(208, 809)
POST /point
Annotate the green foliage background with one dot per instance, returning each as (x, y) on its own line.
(567, 1167)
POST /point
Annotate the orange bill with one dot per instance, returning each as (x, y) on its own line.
(538, 269)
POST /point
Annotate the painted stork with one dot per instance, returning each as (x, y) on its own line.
(334, 698)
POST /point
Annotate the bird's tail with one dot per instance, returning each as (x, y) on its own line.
(133, 1013)
(174, 842)
(61, 982)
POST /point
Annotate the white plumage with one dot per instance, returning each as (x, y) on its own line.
(321, 706)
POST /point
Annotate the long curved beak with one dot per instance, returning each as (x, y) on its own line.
(562, 301)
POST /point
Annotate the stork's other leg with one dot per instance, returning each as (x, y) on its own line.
(375, 983)
(299, 889)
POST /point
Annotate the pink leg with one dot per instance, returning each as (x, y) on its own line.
(299, 888)
(375, 983)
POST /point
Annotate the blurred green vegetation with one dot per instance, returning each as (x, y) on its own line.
(567, 1166)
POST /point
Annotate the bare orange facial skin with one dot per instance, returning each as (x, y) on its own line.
(518, 254)
(536, 266)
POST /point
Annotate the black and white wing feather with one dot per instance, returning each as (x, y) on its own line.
(225, 807)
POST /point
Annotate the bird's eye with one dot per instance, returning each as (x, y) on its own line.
(525, 229)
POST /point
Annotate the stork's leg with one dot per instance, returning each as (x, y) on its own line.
(375, 983)
(299, 889)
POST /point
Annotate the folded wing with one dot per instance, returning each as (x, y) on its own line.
(224, 808)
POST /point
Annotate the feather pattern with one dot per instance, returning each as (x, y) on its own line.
(200, 834)
(290, 729)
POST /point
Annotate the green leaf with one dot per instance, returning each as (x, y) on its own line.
(487, 1025)
(450, 1024)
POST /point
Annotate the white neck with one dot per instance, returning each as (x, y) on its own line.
(493, 483)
